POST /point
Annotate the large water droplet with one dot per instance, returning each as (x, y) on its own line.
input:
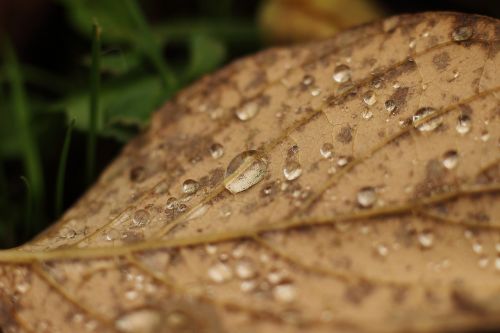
(190, 186)
(216, 150)
(139, 321)
(326, 150)
(342, 73)
(424, 113)
(464, 124)
(369, 98)
(461, 33)
(366, 197)
(292, 170)
(254, 169)
(247, 111)
(140, 218)
(450, 159)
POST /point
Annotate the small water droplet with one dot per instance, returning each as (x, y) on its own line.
(216, 150)
(367, 114)
(342, 161)
(255, 168)
(248, 286)
(366, 197)
(424, 113)
(450, 159)
(342, 73)
(396, 85)
(315, 91)
(161, 188)
(293, 150)
(464, 124)
(22, 287)
(483, 262)
(181, 208)
(326, 150)
(307, 80)
(247, 111)
(139, 321)
(485, 136)
(369, 98)
(190, 186)
(111, 235)
(462, 33)
(426, 239)
(140, 218)
(220, 273)
(390, 105)
(376, 82)
(245, 269)
(292, 170)
(382, 250)
(284, 293)
(497, 263)
(412, 43)
(171, 203)
(477, 248)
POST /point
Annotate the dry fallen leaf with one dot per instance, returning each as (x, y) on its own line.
(361, 194)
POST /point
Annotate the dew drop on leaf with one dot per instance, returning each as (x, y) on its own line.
(220, 273)
(284, 293)
(326, 150)
(292, 170)
(462, 33)
(369, 98)
(426, 239)
(245, 269)
(307, 80)
(216, 150)
(367, 114)
(450, 159)
(342, 73)
(139, 321)
(254, 169)
(171, 203)
(190, 186)
(315, 91)
(427, 126)
(464, 124)
(366, 197)
(140, 218)
(247, 111)
(390, 105)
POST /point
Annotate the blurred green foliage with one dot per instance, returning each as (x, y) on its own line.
(141, 66)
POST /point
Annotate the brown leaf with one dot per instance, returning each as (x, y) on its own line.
(361, 194)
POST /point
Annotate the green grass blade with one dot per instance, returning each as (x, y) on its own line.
(94, 103)
(147, 42)
(22, 116)
(28, 213)
(61, 172)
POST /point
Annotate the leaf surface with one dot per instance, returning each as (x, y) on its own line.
(361, 194)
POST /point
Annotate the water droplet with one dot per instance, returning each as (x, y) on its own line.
(464, 124)
(497, 263)
(68, 233)
(390, 105)
(326, 150)
(177, 321)
(140, 218)
(220, 273)
(382, 250)
(307, 80)
(342, 73)
(248, 286)
(315, 91)
(366, 114)
(22, 287)
(376, 82)
(245, 269)
(181, 208)
(450, 159)
(369, 98)
(413, 43)
(216, 150)
(284, 293)
(477, 248)
(255, 168)
(247, 111)
(424, 113)
(485, 136)
(366, 197)
(342, 161)
(292, 170)
(426, 239)
(483, 262)
(111, 235)
(161, 188)
(462, 33)
(171, 203)
(190, 186)
(139, 321)
(293, 150)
